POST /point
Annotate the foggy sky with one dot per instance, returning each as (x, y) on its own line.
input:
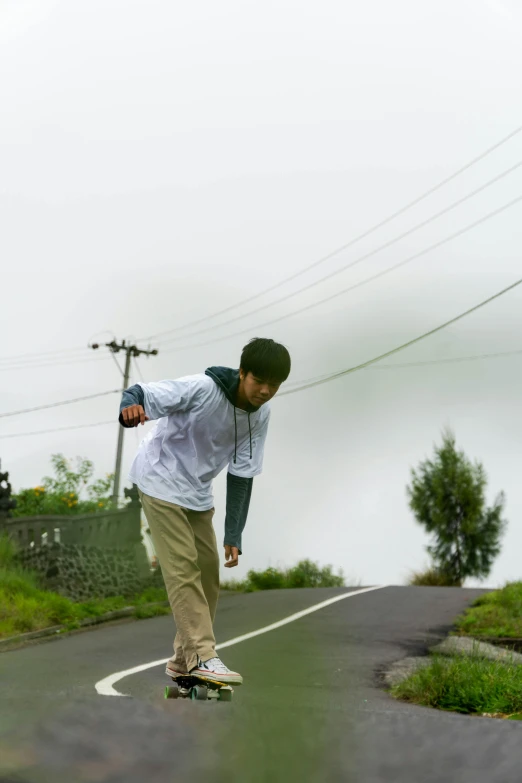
(162, 161)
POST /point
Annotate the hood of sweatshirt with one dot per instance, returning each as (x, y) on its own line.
(228, 381)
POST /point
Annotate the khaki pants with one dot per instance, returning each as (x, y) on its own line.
(186, 547)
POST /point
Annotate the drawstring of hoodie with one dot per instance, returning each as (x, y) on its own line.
(235, 435)
(228, 381)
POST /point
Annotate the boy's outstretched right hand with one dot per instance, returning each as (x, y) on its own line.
(134, 415)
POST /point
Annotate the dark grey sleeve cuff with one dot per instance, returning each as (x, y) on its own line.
(134, 395)
(239, 492)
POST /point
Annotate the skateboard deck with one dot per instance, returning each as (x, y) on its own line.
(187, 686)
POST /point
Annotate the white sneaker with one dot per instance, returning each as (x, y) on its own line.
(215, 670)
(174, 670)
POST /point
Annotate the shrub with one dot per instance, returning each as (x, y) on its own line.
(270, 579)
(432, 577)
(308, 574)
(65, 492)
(304, 574)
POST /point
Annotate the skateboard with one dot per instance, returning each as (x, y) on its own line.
(198, 689)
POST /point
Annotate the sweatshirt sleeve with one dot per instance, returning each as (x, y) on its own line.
(132, 396)
(239, 491)
(163, 398)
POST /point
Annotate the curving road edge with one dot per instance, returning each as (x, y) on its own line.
(105, 687)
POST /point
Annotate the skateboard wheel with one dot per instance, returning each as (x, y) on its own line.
(198, 693)
(225, 694)
(171, 692)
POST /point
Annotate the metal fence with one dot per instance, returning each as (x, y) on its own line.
(102, 529)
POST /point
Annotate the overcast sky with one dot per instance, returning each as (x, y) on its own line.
(163, 161)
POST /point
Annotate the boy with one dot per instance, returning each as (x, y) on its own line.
(206, 422)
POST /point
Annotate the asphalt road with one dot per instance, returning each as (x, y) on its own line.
(312, 708)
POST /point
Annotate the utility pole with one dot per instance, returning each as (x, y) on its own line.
(130, 351)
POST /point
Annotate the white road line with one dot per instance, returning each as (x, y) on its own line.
(105, 687)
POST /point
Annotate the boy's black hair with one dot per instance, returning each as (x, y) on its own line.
(266, 359)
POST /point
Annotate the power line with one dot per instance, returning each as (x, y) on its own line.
(304, 383)
(44, 354)
(448, 360)
(34, 363)
(122, 373)
(361, 283)
(61, 363)
(74, 351)
(359, 260)
(60, 352)
(130, 351)
(333, 376)
(345, 246)
(138, 370)
(62, 402)
(58, 429)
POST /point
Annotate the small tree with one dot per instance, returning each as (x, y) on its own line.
(65, 492)
(309, 574)
(447, 497)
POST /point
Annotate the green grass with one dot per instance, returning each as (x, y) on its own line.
(432, 577)
(470, 685)
(496, 614)
(304, 574)
(26, 606)
(7, 552)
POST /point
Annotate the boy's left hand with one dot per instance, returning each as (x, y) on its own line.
(231, 556)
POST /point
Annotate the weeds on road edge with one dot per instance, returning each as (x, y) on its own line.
(495, 614)
(471, 685)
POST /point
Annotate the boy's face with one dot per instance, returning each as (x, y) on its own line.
(257, 390)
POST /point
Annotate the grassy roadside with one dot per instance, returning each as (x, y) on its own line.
(496, 614)
(25, 606)
(474, 685)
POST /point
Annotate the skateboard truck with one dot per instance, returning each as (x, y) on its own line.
(198, 689)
